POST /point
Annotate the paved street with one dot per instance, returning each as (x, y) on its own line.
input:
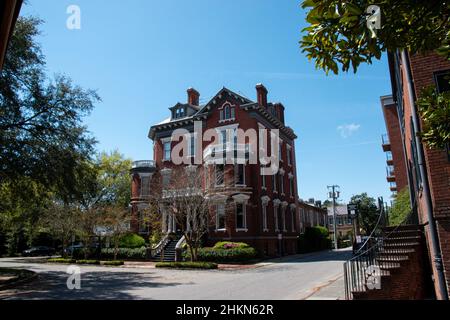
(297, 277)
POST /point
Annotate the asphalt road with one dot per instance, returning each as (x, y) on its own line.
(297, 277)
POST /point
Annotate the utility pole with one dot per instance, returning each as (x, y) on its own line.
(334, 194)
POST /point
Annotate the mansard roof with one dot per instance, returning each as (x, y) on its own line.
(203, 111)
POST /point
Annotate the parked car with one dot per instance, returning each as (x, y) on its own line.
(76, 247)
(38, 251)
(71, 249)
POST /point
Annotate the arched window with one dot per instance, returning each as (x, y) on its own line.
(227, 112)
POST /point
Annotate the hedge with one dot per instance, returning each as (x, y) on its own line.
(132, 241)
(187, 265)
(88, 262)
(113, 263)
(225, 255)
(314, 239)
(125, 254)
(230, 245)
(61, 260)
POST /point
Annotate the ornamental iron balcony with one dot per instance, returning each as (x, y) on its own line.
(143, 166)
(389, 158)
(390, 173)
(393, 186)
(219, 152)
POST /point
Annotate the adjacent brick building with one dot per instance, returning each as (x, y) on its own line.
(312, 214)
(409, 75)
(395, 160)
(259, 210)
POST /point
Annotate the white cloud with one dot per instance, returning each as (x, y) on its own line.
(346, 130)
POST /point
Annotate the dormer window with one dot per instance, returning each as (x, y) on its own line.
(227, 112)
(179, 113)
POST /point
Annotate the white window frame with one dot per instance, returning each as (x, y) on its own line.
(293, 214)
(281, 181)
(215, 175)
(165, 143)
(244, 216)
(223, 206)
(192, 144)
(231, 116)
(276, 205)
(264, 204)
(289, 154)
(280, 150)
(284, 206)
(236, 175)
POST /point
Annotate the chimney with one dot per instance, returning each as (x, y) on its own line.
(261, 93)
(279, 108)
(193, 97)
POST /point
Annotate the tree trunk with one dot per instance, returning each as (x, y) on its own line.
(116, 248)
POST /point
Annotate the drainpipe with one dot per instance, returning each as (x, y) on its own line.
(435, 248)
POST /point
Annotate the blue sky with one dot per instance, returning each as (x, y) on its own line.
(142, 55)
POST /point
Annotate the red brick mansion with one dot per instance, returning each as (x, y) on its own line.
(261, 210)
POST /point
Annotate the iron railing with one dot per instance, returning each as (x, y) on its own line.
(389, 156)
(143, 164)
(365, 271)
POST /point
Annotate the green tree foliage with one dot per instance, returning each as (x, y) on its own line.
(401, 208)
(41, 131)
(367, 211)
(337, 37)
(435, 111)
(113, 179)
(337, 34)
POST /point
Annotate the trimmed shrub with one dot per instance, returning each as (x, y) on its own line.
(61, 260)
(125, 254)
(187, 265)
(314, 239)
(88, 262)
(230, 245)
(132, 241)
(225, 255)
(113, 263)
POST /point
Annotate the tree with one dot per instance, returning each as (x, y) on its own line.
(21, 204)
(113, 179)
(401, 208)
(116, 221)
(338, 37)
(435, 113)
(338, 34)
(185, 200)
(87, 221)
(367, 211)
(61, 221)
(41, 132)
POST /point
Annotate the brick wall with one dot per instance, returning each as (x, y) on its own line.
(437, 164)
(395, 137)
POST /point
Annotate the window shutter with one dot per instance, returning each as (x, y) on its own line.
(221, 114)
